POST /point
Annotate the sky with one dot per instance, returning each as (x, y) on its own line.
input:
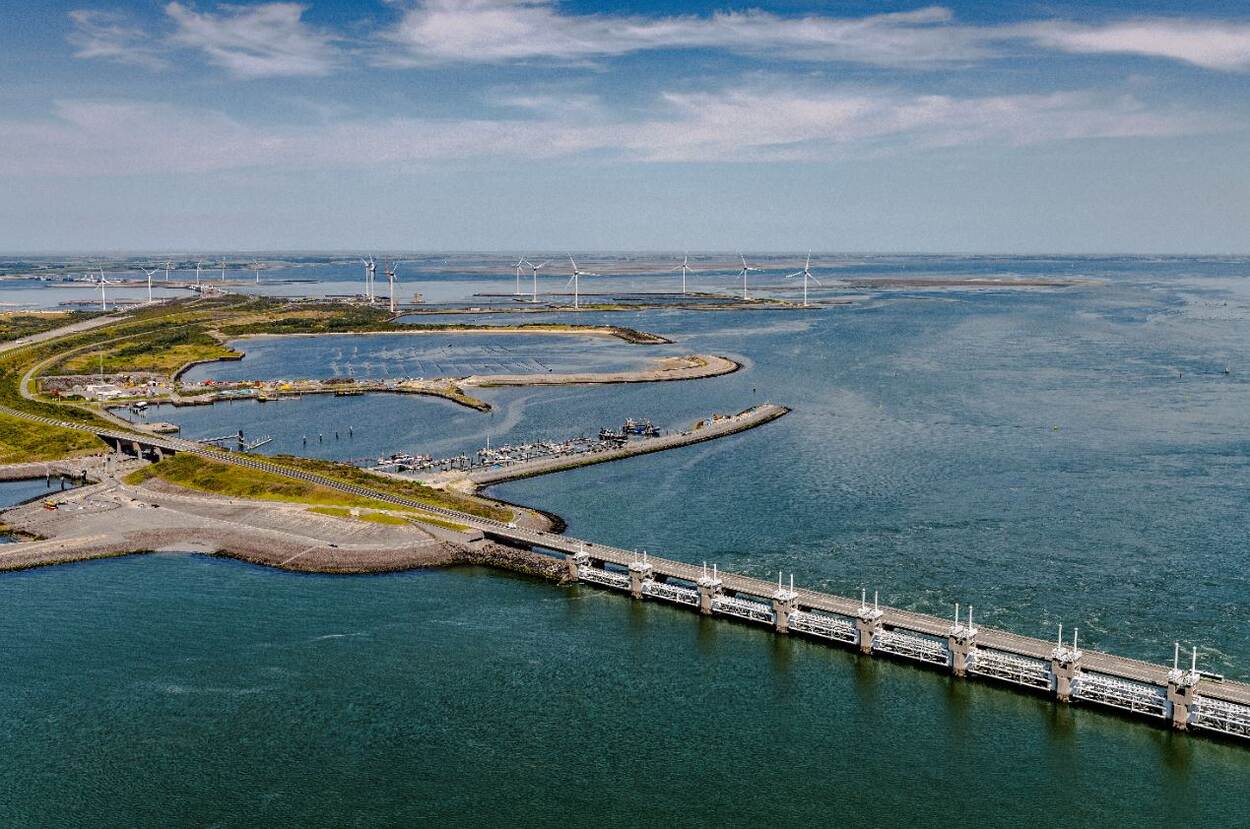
(524, 125)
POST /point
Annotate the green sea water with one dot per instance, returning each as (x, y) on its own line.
(1074, 456)
(181, 690)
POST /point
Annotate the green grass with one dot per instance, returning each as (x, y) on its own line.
(18, 324)
(439, 522)
(305, 318)
(346, 473)
(204, 475)
(337, 512)
(22, 441)
(163, 351)
(385, 518)
(371, 517)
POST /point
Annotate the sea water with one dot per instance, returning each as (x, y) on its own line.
(1074, 455)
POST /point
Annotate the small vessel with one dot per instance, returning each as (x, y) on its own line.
(608, 436)
(644, 428)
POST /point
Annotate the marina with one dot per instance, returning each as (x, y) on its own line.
(509, 454)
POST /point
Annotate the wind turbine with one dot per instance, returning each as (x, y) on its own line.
(256, 267)
(168, 265)
(370, 268)
(101, 281)
(745, 269)
(684, 267)
(197, 273)
(519, 263)
(574, 278)
(806, 273)
(390, 278)
(534, 274)
(223, 269)
(149, 273)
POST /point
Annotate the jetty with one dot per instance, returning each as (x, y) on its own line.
(707, 429)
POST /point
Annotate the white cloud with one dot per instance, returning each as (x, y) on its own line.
(272, 39)
(779, 124)
(492, 31)
(265, 40)
(1209, 44)
(92, 138)
(109, 36)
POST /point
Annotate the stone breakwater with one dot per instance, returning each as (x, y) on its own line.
(707, 429)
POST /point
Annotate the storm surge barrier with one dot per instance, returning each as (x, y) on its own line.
(1185, 698)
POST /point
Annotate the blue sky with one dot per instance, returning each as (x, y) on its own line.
(526, 124)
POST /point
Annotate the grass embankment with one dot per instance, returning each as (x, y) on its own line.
(370, 517)
(22, 441)
(388, 518)
(305, 318)
(164, 351)
(203, 475)
(348, 474)
(17, 324)
(15, 364)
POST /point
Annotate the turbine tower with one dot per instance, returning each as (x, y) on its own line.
(745, 269)
(574, 279)
(101, 281)
(149, 273)
(806, 273)
(684, 267)
(534, 274)
(256, 267)
(168, 265)
(223, 269)
(197, 273)
(390, 279)
(370, 268)
(519, 263)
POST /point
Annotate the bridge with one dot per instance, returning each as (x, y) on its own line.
(1185, 699)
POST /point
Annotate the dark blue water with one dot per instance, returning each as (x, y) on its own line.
(1076, 455)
